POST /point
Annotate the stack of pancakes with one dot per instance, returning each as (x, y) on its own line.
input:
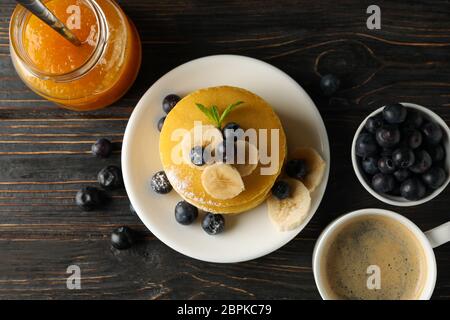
(253, 113)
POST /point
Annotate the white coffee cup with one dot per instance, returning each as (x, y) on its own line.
(428, 241)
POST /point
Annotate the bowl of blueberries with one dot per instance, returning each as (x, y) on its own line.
(400, 154)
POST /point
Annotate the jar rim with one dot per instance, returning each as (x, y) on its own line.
(17, 24)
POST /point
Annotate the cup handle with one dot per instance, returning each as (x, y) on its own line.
(439, 235)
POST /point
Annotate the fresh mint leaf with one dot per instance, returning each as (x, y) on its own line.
(228, 110)
(207, 112)
(213, 112)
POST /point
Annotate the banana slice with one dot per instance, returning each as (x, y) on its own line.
(222, 181)
(315, 164)
(289, 213)
(206, 136)
(247, 153)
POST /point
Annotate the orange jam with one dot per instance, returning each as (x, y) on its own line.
(86, 77)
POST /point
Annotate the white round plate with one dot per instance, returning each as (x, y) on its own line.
(247, 236)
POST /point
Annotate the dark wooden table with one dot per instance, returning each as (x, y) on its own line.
(45, 157)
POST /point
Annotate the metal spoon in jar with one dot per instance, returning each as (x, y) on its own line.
(37, 8)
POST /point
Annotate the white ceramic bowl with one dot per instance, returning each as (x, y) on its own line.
(249, 235)
(400, 201)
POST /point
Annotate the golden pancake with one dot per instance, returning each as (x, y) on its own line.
(186, 178)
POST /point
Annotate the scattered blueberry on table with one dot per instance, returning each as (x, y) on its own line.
(122, 238)
(401, 152)
(329, 84)
(110, 178)
(102, 148)
(89, 198)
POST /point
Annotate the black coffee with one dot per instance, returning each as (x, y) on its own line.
(368, 243)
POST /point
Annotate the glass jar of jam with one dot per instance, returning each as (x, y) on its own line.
(86, 77)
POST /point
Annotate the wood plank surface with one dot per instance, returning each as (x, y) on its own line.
(45, 157)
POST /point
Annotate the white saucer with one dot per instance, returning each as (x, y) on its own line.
(247, 236)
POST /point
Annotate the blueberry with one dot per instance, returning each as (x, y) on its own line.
(374, 123)
(102, 148)
(413, 120)
(434, 178)
(386, 165)
(329, 84)
(227, 151)
(281, 189)
(412, 189)
(169, 102)
(370, 165)
(122, 238)
(383, 183)
(161, 123)
(89, 198)
(412, 138)
(185, 213)
(437, 153)
(296, 168)
(221, 149)
(366, 145)
(394, 113)
(160, 183)
(196, 156)
(213, 223)
(432, 133)
(402, 174)
(231, 131)
(388, 136)
(403, 157)
(422, 163)
(110, 177)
